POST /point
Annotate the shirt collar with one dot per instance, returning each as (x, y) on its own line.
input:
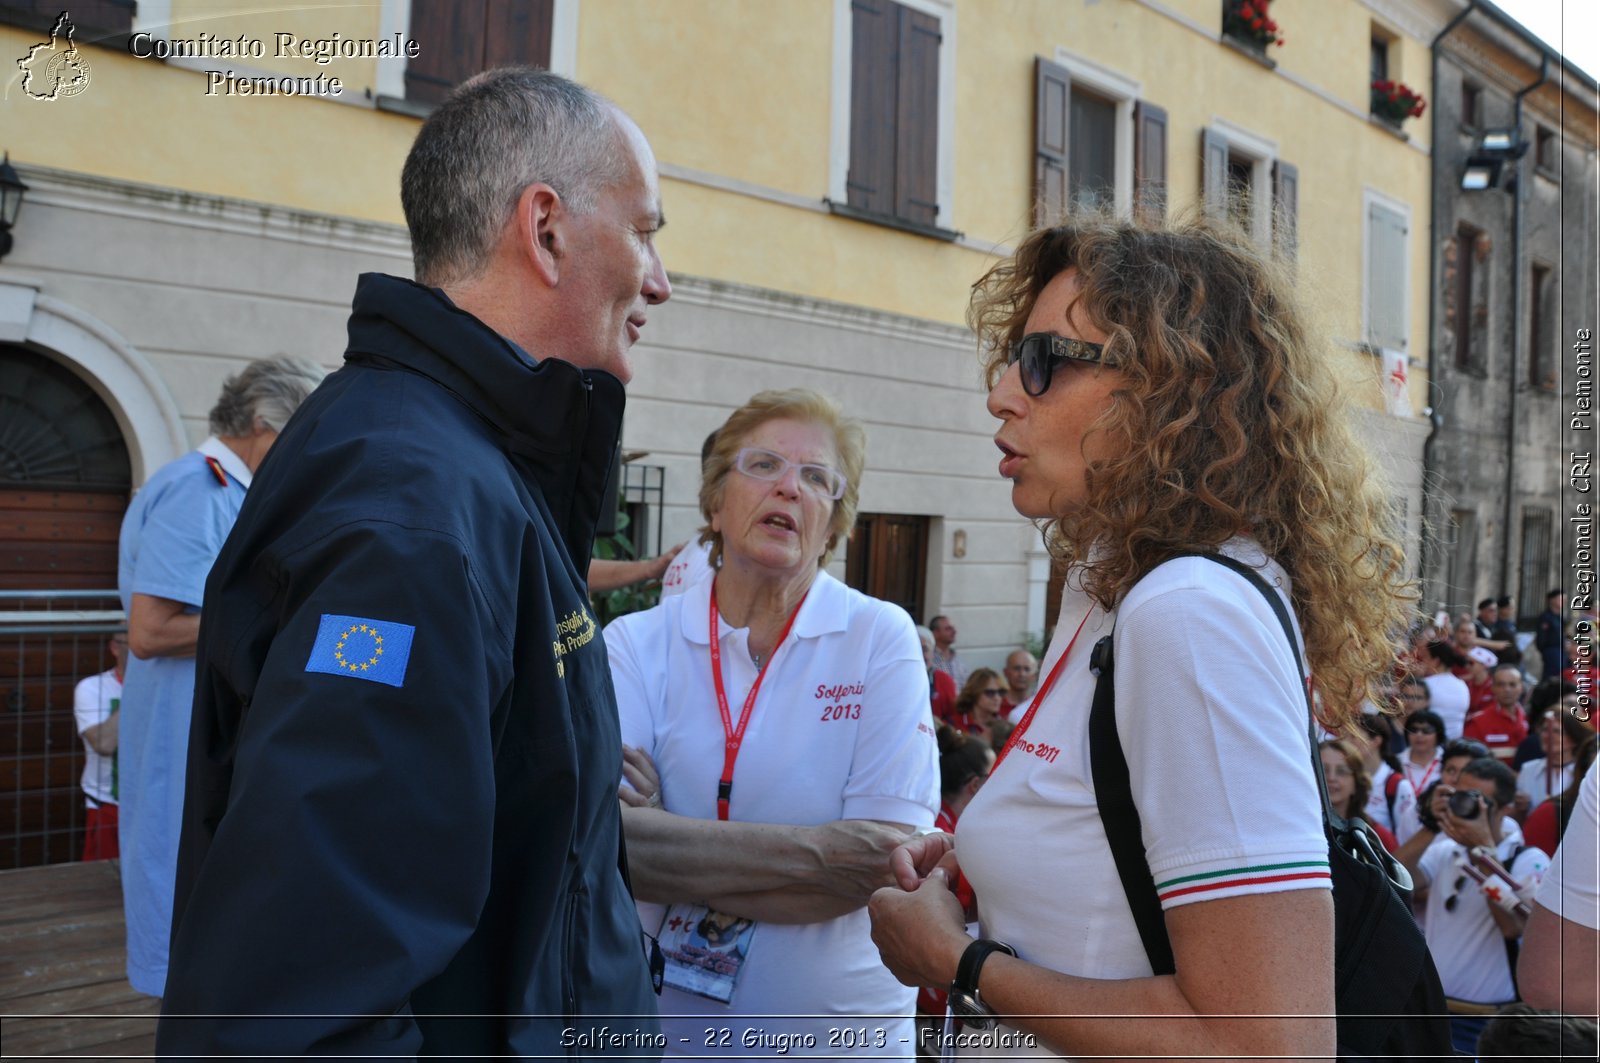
(824, 611)
(231, 463)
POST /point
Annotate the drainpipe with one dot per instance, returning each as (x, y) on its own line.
(1434, 414)
(1516, 323)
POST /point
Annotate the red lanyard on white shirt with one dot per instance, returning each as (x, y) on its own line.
(734, 737)
(1426, 775)
(1044, 688)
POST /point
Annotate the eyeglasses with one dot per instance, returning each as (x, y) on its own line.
(1041, 352)
(992, 692)
(761, 464)
(1455, 893)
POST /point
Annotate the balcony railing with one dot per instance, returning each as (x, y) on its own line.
(49, 640)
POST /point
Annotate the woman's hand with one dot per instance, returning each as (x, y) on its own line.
(920, 933)
(912, 862)
(644, 782)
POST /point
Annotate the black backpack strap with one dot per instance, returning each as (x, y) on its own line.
(1113, 792)
(1113, 789)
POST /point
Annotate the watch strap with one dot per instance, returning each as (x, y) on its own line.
(972, 962)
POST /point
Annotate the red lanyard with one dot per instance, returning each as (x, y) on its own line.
(1044, 688)
(1426, 775)
(733, 738)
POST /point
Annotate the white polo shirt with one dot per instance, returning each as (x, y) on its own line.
(692, 565)
(1570, 888)
(841, 730)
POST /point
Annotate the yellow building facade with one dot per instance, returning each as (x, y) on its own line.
(836, 174)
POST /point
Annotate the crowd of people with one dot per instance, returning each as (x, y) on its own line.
(386, 787)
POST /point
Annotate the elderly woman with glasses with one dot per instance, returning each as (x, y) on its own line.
(1158, 395)
(778, 746)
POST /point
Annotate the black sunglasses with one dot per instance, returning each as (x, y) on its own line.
(1423, 729)
(1041, 352)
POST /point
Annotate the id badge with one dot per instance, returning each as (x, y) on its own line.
(705, 950)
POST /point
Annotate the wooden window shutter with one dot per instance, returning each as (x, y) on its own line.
(874, 77)
(1214, 173)
(1149, 162)
(454, 49)
(1052, 110)
(517, 32)
(917, 119)
(1285, 208)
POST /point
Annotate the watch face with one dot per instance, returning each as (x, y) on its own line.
(970, 1011)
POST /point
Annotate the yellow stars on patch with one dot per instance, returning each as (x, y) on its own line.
(344, 637)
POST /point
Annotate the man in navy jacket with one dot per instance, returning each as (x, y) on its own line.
(402, 834)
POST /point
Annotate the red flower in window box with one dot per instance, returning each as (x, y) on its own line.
(1395, 101)
(1247, 22)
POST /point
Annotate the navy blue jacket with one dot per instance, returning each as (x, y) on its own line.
(433, 865)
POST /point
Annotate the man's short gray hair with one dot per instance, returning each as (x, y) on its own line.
(271, 389)
(495, 135)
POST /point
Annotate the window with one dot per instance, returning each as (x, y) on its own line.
(1547, 151)
(1096, 144)
(1461, 577)
(1386, 291)
(102, 22)
(1091, 159)
(895, 157)
(1541, 328)
(1466, 296)
(1471, 106)
(888, 559)
(1533, 576)
(464, 37)
(1242, 178)
(1379, 58)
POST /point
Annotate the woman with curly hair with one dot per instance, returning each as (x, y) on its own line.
(1159, 395)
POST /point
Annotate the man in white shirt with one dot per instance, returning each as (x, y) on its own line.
(944, 650)
(95, 702)
(1472, 927)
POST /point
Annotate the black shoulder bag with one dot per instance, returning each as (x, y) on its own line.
(1386, 990)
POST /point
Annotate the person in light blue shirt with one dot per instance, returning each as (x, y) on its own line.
(171, 534)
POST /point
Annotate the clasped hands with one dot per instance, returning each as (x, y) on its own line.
(918, 924)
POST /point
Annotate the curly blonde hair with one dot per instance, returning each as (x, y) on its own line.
(793, 404)
(1234, 423)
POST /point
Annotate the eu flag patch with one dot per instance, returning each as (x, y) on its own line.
(355, 646)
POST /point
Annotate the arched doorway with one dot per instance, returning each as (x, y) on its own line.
(65, 478)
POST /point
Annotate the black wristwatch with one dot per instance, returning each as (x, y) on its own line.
(965, 1001)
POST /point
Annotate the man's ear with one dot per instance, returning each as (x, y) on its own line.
(540, 224)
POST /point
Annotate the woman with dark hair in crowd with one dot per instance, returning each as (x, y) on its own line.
(1158, 395)
(1448, 695)
(978, 704)
(1387, 800)
(1425, 738)
(1349, 785)
(1561, 734)
(1547, 823)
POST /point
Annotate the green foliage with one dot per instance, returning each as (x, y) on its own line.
(625, 600)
